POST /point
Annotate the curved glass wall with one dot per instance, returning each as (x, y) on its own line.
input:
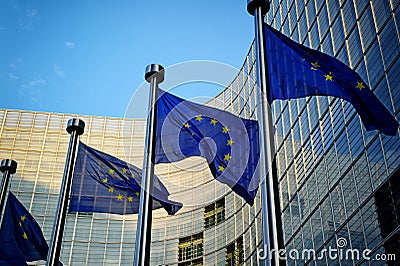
(336, 179)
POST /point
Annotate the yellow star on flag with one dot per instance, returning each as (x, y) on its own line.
(120, 197)
(214, 121)
(23, 218)
(111, 172)
(105, 180)
(132, 175)
(124, 170)
(25, 236)
(111, 189)
(315, 65)
(360, 85)
(186, 125)
(199, 118)
(230, 142)
(328, 76)
(137, 194)
(225, 130)
(221, 168)
(130, 199)
(227, 157)
(20, 224)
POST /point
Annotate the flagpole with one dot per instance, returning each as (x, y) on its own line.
(7, 167)
(154, 75)
(75, 128)
(272, 223)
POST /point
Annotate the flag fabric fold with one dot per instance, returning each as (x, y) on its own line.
(21, 238)
(229, 143)
(296, 71)
(104, 183)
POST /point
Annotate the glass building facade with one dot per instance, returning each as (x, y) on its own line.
(336, 180)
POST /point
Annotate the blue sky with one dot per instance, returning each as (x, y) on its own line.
(89, 56)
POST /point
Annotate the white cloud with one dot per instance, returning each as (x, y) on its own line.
(33, 92)
(31, 13)
(28, 21)
(12, 76)
(32, 89)
(58, 71)
(16, 63)
(70, 44)
(38, 81)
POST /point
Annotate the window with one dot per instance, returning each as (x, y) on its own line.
(191, 247)
(387, 201)
(235, 253)
(214, 213)
(230, 254)
(197, 262)
(220, 210)
(209, 216)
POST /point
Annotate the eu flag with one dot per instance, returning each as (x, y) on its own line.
(104, 183)
(229, 143)
(21, 238)
(296, 71)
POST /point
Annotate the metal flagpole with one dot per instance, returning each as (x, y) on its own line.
(7, 167)
(272, 224)
(75, 128)
(154, 75)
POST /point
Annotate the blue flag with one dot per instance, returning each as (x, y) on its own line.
(12, 263)
(103, 183)
(229, 143)
(296, 71)
(21, 238)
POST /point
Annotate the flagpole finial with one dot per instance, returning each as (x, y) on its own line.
(253, 4)
(9, 165)
(76, 124)
(154, 69)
